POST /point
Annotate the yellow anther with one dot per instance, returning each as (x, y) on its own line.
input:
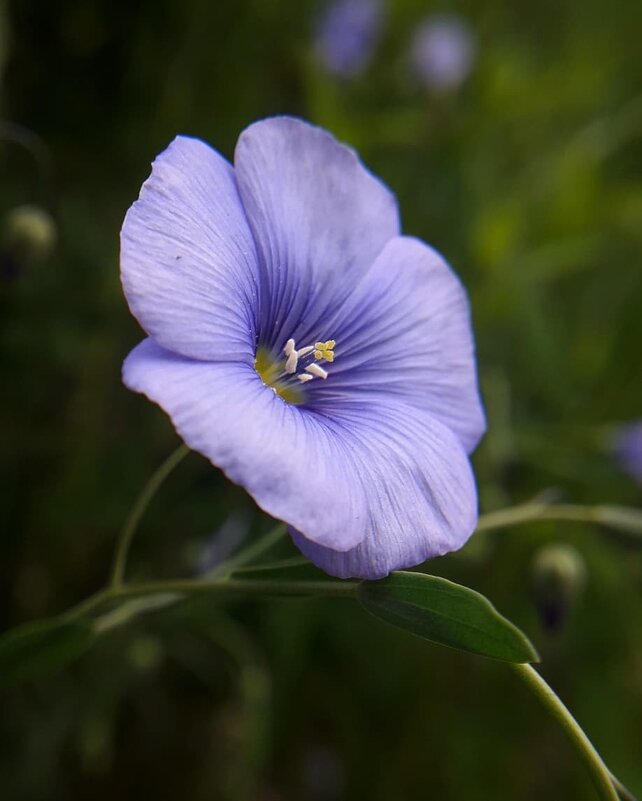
(324, 350)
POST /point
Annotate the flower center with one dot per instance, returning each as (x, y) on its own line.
(287, 376)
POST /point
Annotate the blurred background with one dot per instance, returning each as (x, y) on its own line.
(511, 133)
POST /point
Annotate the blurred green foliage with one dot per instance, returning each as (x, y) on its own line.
(528, 180)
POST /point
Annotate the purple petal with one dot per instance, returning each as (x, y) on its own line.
(405, 332)
(188, 259)
(295, 463)
(421, 494)
(384, 484)
(319, 220)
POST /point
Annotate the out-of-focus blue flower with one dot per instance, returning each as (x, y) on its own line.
(626, 446)
(443, 51)
(348, 32)
(319, 358)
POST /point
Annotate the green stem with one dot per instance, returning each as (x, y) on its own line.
(250, 553)
(623, 792)
(599, 772)
(621, 518)
(138, 510)
(248, 587)
(223, 586)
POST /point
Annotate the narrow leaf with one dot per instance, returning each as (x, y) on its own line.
(446, 613)
(34, 649)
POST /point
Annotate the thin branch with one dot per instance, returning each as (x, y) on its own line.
(138, 510)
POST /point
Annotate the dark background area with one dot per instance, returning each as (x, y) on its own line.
(527, 178)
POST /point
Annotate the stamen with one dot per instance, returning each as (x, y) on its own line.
(279, 375)
(291, 362)
(317, 371)
(324, 350)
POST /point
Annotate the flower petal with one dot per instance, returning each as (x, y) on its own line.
(295, 463)
(422, 500)
(188, 260)
(319, 220)
(405, 332)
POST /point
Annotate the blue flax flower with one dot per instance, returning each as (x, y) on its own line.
(297, 340)
(347, 35)
(626, 445)
(443, 52)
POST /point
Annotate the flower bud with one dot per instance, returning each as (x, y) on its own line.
(28, 235)
(558, 576)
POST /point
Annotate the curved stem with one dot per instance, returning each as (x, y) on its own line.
(617, 517)
(600, 774)
(138, 510)
(257, 548)
(35, 146)
(623, 792)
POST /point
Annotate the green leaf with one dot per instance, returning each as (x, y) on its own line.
(34, 649)
(446, 613)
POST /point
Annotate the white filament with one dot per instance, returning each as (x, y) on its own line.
(317, 371)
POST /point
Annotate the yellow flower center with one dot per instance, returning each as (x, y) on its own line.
(287, 376)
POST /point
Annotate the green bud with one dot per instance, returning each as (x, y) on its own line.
(29, 234)
(558, 576)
